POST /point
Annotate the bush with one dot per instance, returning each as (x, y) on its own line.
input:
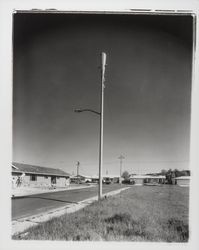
(127, 181)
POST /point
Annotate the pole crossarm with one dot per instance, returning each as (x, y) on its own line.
(87, 110)
(121, 157)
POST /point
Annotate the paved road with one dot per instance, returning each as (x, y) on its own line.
(39, 203)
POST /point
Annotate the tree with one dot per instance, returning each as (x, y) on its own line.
(163, 172)
(125, 175)
(178, 173)
(169, 176)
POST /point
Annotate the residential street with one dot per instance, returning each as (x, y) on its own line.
(36, 204)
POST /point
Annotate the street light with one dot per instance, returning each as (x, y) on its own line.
(101, 114)
(89, 110)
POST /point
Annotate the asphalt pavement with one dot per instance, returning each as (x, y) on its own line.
(40, 203)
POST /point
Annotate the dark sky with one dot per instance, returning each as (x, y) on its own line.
(147, 94)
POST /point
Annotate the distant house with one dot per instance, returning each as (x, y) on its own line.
(140, 180)
(172, 175)
(34, 176)
(80, 179)
(94, 178)
(112, 178)
(183, 181)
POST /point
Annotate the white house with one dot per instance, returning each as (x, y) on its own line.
(183, 181)
(140, 180)
(80, 179)
(34, 176)
(112, 178)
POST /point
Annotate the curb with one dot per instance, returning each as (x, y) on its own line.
(49, 191)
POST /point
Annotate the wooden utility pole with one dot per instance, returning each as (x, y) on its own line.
(121, 158)
(78, 164)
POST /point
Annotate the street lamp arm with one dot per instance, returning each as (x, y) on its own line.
(88, 110)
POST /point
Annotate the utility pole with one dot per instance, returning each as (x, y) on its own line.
(78, 164)
(103, 58)
(101, 114)
(121, 158)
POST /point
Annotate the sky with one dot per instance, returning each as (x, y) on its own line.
(147, 103)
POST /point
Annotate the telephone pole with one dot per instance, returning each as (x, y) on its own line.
(101, 114)
(121, 158)
(78, 164)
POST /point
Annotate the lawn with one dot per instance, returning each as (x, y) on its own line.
(141, 213)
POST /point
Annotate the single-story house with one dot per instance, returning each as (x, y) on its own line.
(112, 178)
(34, 176)
(95, 179)
(80, 179)
(140, 180)
(183, 181)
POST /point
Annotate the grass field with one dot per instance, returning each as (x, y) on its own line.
(138, 214)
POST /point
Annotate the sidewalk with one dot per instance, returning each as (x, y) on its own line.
(25, 191)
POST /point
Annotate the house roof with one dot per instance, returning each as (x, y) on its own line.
(13, 166)
(94, 177)
(147, 177)
(31, 169)
(86, 176)
(111, 176)
(81, 176)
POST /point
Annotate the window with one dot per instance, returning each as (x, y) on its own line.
(33, 177)
(53, 179)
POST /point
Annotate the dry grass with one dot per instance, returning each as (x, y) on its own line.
(137, 214)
